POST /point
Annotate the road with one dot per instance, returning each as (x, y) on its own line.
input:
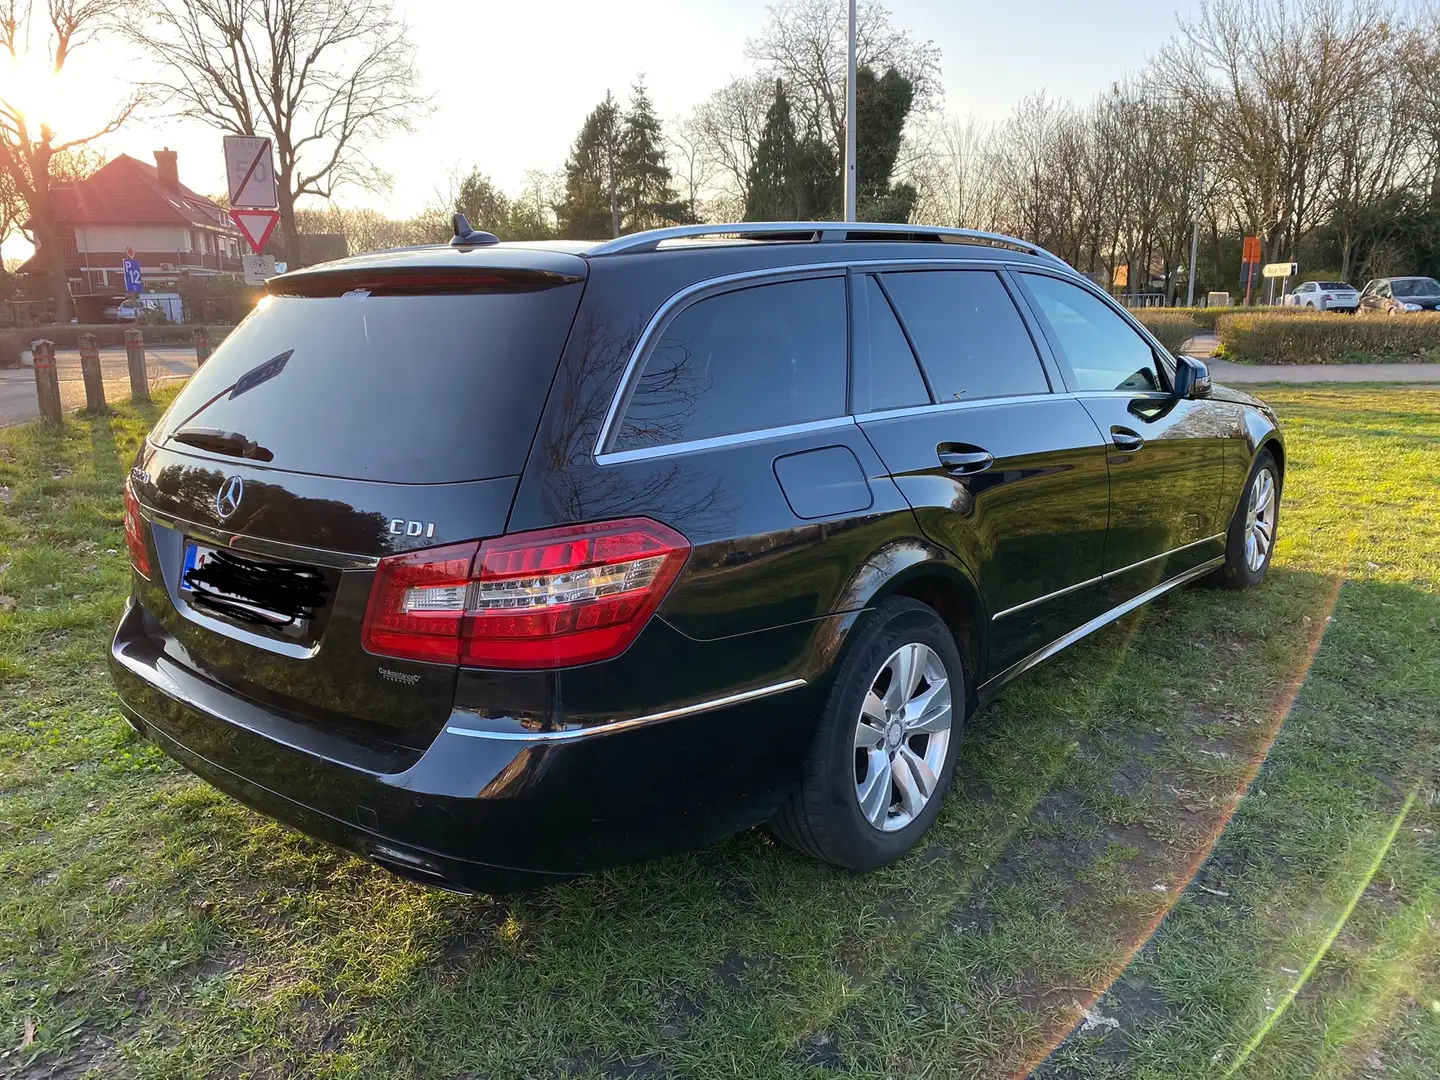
(17, 385)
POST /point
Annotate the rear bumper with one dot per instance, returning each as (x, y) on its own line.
(480, 810)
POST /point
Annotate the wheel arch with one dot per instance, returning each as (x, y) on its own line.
(922, 571)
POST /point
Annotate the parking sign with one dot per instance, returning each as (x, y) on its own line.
(133, 281)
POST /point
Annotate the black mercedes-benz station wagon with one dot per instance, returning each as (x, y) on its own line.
(500, 563)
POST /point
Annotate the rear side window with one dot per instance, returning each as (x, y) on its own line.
(971, 339)
(410, 389)
(895, 379)
(756, 358)
(1104, 351)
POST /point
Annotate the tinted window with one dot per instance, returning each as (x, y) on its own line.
(1104, 351)
(895, 379)
(969, 335)
(419, 389)
(1332, 285)
(743, 361)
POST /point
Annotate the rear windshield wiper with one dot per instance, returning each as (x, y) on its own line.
(223, 442)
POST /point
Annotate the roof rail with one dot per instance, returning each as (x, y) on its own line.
(818, 232)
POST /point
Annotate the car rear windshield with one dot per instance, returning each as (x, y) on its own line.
(1336, 286)
(414, 389)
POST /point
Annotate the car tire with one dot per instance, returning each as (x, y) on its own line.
(858, 802)
(1242, 569)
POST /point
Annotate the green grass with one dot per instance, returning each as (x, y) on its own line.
(1215, 824)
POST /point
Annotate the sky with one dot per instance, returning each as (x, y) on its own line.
(511, 83)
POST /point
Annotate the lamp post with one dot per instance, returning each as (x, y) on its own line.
(850, 123)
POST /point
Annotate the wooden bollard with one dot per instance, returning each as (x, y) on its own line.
(90, 372)
(47, 384)
(202, 346)
(135, 357)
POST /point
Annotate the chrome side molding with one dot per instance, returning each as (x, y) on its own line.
(596, 730)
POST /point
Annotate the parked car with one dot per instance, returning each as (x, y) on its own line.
(1395, 295)
(1324, 296)
(151, 307)
(499, 563)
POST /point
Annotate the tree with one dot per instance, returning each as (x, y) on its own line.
(484, 206)
(693, 169)
(592, 183)
(772, 192)
(1263, 80)
(647, 191)
(805, 43)
(881, 108)
(728, 126)
(30, 151)
(325, 79)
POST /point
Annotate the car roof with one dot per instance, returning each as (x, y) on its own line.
(778, 243)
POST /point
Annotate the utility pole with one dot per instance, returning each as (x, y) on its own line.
(850, 124)
(1194, 242)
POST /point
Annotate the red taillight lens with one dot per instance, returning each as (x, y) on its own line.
(544, 599)
(135, 534)
(1328, 297)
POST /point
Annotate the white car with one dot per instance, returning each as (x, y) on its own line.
(1324, 296)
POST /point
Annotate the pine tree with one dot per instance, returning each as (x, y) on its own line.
(591, 209)
(772, 193)
(647, 193)
(485, 207)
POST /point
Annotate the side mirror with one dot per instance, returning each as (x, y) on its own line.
(1192, 378)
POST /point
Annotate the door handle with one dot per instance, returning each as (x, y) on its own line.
(1125, 439)
(965, 462)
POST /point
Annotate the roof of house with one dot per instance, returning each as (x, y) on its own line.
(125, 191)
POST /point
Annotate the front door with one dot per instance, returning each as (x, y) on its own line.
(1165, 454)
(1002, 471)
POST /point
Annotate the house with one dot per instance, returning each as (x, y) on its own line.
(130, 205)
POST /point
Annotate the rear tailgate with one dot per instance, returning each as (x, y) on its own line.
(327, 432)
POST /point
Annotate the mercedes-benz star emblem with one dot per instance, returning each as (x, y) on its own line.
(227, 499)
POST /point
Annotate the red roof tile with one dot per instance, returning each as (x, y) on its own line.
(125, 191)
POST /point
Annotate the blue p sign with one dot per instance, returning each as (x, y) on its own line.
(132, 276)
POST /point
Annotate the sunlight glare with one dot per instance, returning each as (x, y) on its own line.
(31, 87)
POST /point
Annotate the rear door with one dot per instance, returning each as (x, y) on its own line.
(1000, 469)
(328, 430)
(1166, 455)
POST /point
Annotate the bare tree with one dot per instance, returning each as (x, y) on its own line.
(29, 148)
(325, 78)
(953, 172)
(1420, 62)
(726, 126)
(692, 164)
(1263, 80)
(806, 44)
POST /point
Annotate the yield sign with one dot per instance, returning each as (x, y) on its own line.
(257, 225)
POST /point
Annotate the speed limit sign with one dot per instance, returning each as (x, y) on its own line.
(250, 170)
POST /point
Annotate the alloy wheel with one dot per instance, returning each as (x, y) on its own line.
(1260, 520)
(901, 737)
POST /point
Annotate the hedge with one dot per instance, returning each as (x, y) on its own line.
(67, 336)
(1173, 326)
(1294, 336)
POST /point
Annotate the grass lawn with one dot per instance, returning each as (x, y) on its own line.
(1206, 842)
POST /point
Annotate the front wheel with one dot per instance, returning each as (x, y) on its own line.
(884, 753)
(1250, 542)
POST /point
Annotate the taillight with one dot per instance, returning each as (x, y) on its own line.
(135, 534)
(545, 599)
(1328, 298)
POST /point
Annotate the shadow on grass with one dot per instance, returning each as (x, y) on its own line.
(1088, 802)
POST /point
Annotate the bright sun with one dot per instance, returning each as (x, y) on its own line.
(30, 86)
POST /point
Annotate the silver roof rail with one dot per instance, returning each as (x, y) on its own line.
(820, 231)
